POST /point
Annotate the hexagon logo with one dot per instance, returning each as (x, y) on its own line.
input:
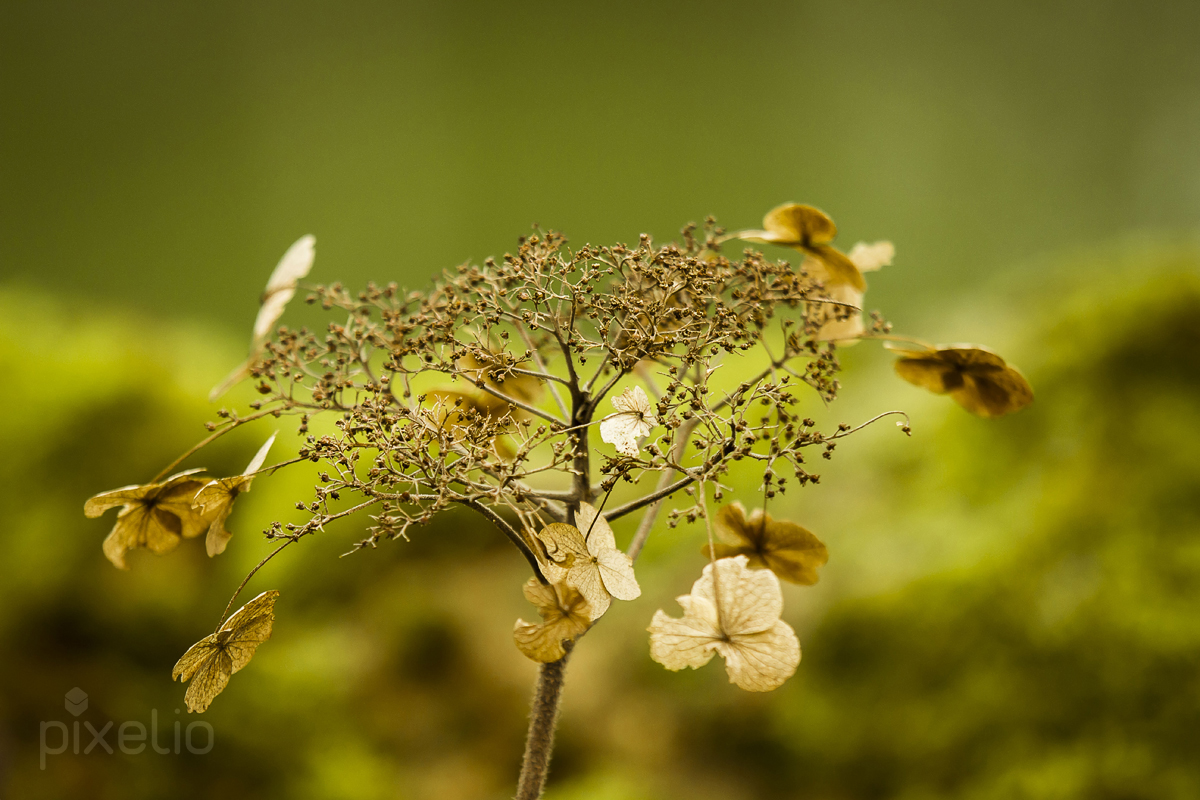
(76, 701)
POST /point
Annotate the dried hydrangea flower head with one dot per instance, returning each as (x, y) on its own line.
(732, 611)
(483, 392)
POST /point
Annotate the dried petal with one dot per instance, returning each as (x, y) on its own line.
(565, 614)
(215, 500)
(281, 287)
(810, 231)
(871, 257)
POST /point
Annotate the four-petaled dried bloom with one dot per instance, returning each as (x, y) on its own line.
(154, 516)
(215, 500)
(586, 558)
(739, 619)
(565, 614)
(209, 662)
(789, 550)
(633, 420)
(979, 380)
(810, 231)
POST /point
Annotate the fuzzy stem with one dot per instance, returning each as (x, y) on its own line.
(543, 717)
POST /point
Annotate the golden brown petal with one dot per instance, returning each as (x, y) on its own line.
(565, 614)
(800, 224)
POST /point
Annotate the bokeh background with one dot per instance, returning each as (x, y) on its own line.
(1011, 608)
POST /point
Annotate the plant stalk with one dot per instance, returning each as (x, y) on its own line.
(543, 718)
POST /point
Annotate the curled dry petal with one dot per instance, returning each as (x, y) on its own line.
(565, 614)
(789, 550)
(215, 500)
(154, 516)
(210, 662)
(976, 378)
(735, 616)
(633, 420)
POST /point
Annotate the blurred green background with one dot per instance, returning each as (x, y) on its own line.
(1010, 608)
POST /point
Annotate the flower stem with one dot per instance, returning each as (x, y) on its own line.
(543, 718)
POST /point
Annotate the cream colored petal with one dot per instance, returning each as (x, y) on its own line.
(597, 533)
(766, 237)
(616, 571)
(585, 577)
(294, 265)
(616, 568)
(689, 641)
(632, 400)
(871, 257)
(257, 462)
(751, 600)
(269, 313)
(762, 661)
(621, 431)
